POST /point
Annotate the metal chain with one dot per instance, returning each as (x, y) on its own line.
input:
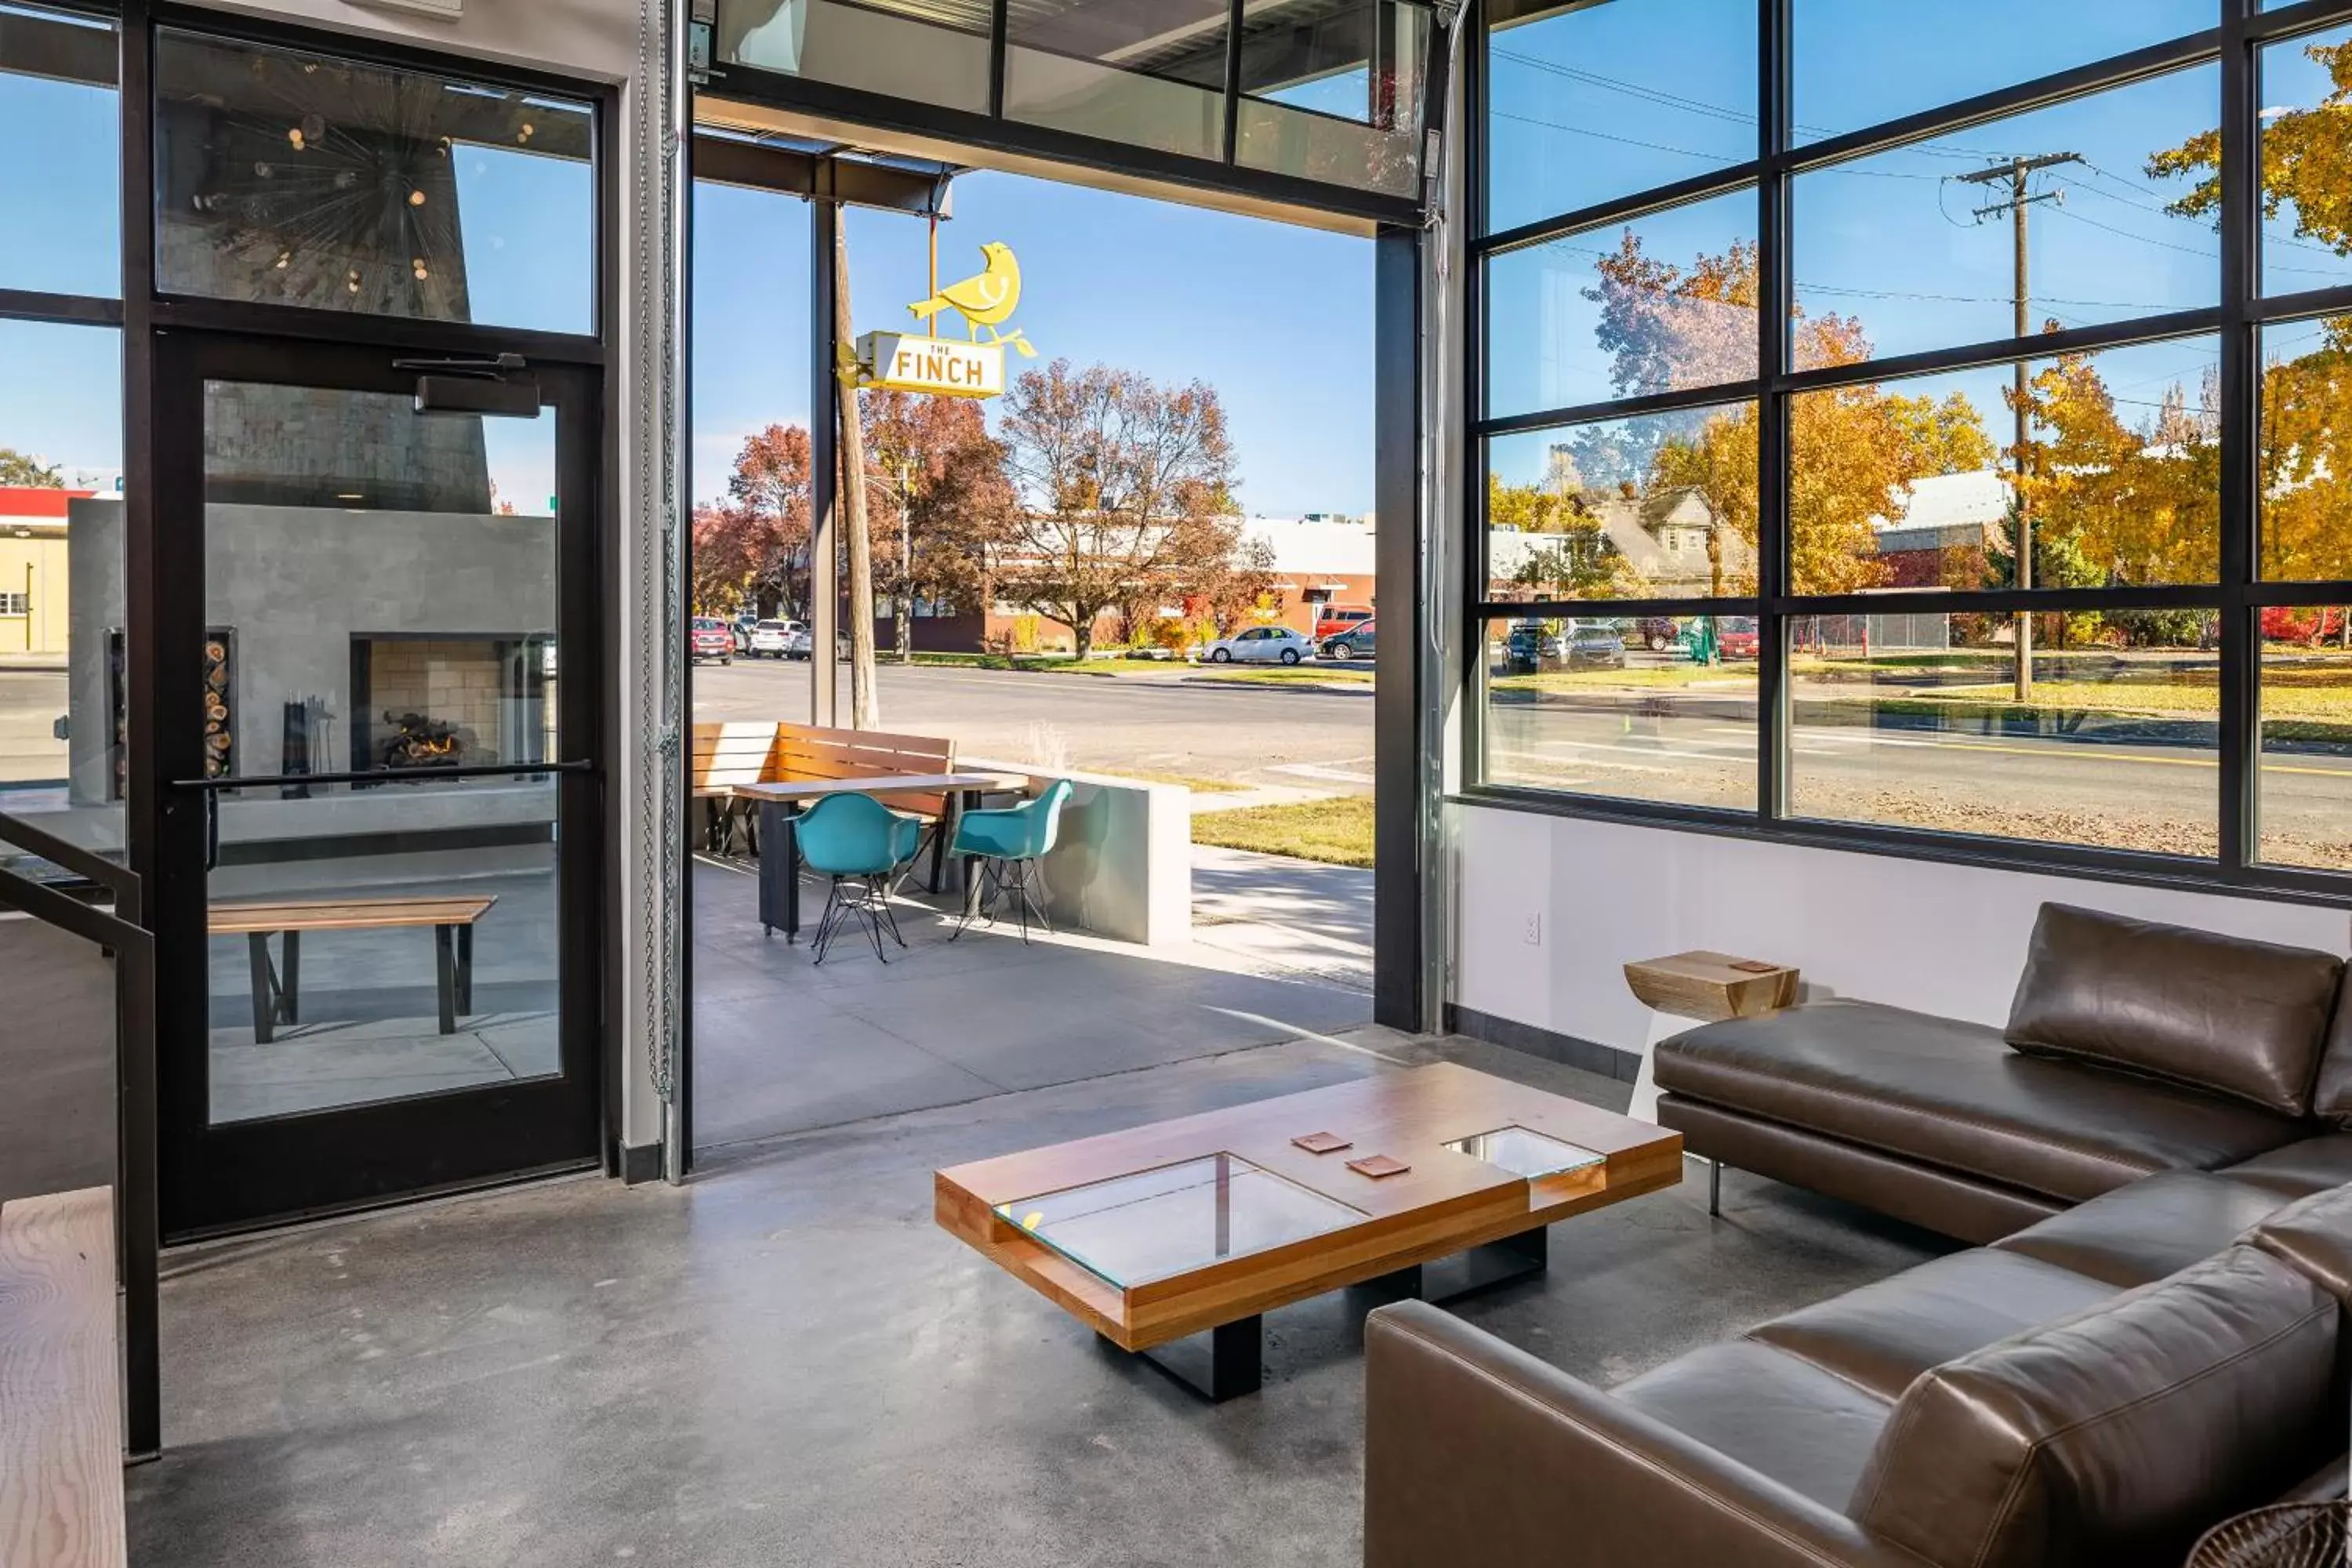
(659, 676)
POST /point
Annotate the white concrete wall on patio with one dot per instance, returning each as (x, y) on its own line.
(1939, 938)
(599, 41)
(1122, 861)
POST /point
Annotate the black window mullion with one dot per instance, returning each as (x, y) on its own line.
(1773, 298)
(1000, 26)
(1234, 79)
(2241, 417)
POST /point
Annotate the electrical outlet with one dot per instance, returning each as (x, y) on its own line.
(1534, 937)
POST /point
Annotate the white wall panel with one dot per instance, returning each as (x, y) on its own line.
(1940, 937)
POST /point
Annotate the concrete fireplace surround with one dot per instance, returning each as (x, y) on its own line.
(294, 585)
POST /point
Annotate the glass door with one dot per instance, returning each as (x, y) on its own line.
(381, 606)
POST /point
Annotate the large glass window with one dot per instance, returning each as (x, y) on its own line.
(1154, 76)
(1621, 707)
(60, 125)
(2306, 88)
(1658, 507)
(1588, 103)
(61, 579)
(1915, 483)
(930, 51)
(291, 178)
(2306, 450)
(1860, 62)
(1916, 719)
(1920, 248)
(1660, 303)
(1934, 534)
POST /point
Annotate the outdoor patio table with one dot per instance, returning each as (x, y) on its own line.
(781, 803)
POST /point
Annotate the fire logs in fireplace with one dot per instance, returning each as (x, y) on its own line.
(418, 742)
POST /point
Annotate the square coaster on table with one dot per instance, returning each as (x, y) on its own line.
(1379, 1165)
(1323, 1143)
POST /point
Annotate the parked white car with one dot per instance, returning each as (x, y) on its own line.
(771, 640)
(1260, 645)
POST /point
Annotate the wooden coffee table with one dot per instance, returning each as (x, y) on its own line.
(1200, 1225)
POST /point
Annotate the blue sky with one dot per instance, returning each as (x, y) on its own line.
(1276, 318)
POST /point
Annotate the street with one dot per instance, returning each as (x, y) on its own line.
(1139, 725)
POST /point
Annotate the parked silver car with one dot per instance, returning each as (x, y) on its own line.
(1260, 645)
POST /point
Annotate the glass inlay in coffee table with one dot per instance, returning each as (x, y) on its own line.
(1526, 1152)
(1176, 1218)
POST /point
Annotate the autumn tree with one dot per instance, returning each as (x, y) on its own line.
(752, 547)
(2138, 504)
(27, 472)
(1126, 490)
(1853, 450)
(942, 502)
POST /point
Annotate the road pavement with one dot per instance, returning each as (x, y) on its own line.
(1168, 728)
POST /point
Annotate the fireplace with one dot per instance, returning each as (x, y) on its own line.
(424, 701)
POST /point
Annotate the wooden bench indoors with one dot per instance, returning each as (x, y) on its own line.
(727, 754)
(276, 988)
(61, 1390)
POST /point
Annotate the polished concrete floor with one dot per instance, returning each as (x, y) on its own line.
(785, 1362)
(783, 1044)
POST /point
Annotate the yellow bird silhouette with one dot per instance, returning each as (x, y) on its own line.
(982, 299)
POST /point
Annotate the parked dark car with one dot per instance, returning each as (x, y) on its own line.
(711, 638)
(1595, 647)
(1656, 633)
(1529, 648)
(1356, 642)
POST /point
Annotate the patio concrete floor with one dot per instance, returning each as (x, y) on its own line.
(1281, 949)
(785, 1362)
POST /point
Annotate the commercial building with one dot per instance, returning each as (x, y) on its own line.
(351, 754)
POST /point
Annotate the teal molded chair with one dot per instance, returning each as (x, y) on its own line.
(856, 839)
(1010, 844)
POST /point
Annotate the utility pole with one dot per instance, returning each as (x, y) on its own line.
(2018, 171)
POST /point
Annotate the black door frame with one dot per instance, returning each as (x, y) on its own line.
(244, 1174)
(157, 818)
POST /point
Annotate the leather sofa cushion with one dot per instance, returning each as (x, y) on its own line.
(1883, 1336)
(2302, 1168)
(2117, 1436)
(2143, 1232)
(2238, 1017)
(1780, 1416)
(2331, 1097)
(2314, 1237)
(1954, 1095)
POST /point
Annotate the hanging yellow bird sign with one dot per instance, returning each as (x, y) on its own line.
(969, 367)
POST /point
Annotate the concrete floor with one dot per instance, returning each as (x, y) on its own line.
(783, 1045)
(786, 1362)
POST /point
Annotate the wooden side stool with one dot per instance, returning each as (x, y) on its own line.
(1693, 988)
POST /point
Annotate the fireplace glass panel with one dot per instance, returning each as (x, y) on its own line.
(391, 581)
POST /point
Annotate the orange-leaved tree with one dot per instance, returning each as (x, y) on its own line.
(752, 547)
(1853, 450)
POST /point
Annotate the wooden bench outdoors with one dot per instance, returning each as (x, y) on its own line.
(276, 988)
(727, 754)
(61, 1393)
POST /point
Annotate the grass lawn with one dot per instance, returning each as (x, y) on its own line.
(1197, 786)
(1338, 831)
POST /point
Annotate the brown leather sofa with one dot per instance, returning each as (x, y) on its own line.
(2097, 1388)
(2131, 1049)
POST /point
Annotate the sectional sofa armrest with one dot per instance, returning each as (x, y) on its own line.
(1475, 1452)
